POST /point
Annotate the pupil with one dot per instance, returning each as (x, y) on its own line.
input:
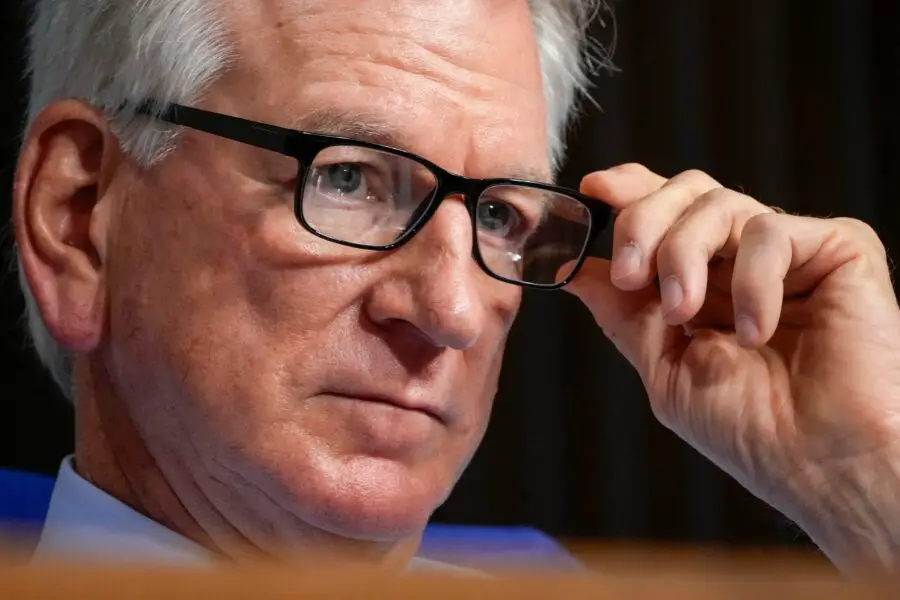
(494, 215)
(345, 178)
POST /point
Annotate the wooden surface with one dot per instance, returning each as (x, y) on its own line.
(615, 574)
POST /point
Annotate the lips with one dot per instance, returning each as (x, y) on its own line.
(396, 402)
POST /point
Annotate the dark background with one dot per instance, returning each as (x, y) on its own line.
(794, 102)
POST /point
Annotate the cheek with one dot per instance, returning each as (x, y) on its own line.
(505, 301)
(222, 324)
(482, 366)
(207, 323)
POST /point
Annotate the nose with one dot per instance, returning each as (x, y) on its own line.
(434, 286)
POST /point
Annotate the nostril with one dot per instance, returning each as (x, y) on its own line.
(438, 302)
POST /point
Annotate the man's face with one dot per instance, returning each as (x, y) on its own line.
(295, 382)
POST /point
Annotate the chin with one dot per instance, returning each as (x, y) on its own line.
(376, 499)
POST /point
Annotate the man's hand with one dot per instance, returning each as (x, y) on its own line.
(771, 344)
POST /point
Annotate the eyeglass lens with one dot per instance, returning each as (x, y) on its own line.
(371, 198)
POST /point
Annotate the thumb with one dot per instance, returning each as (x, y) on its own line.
(631, 320)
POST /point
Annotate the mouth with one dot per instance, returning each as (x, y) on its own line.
(398, 403)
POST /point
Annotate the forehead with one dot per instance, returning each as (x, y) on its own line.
(457, 81)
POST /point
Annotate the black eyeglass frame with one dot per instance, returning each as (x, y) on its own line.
(305, 146)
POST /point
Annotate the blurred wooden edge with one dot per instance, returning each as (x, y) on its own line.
(617, 572)
(264, 583)
(625, 557)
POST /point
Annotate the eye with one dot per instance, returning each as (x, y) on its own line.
(497, 217)
(349, 182)
(345, 178)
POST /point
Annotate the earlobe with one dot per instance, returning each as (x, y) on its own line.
(57, 216)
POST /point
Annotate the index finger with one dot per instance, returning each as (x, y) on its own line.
(623, 185)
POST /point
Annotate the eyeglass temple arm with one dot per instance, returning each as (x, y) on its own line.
(601, 246)
(267, 137)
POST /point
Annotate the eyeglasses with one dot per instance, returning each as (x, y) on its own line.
(374, 197)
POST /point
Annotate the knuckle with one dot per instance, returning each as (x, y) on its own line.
(694, 179)
(763, 224)
(734, 200)
(723, 207)
(715, 200)
(682, 196)
(692, 174)
(719, 195)
(638, 220)
(633, 168)
(855, 225)
(863, 231)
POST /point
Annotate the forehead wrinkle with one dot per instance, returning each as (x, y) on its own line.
(455, 82)
(422, 55)
(420, 36)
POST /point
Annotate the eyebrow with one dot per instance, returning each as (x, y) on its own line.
(358, 126)
(368, 127)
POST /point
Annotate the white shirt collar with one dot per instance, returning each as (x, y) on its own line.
(84, 522)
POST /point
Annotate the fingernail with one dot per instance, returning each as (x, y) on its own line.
(626, 262)
(672, 294)
(746, 330)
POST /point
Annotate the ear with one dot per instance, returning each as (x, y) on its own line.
(67, 160)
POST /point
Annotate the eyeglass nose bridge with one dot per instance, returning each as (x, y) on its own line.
(448, 185)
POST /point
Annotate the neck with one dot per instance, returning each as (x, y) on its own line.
(111, 454)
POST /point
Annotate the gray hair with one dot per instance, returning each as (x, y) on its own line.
(110, 52)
